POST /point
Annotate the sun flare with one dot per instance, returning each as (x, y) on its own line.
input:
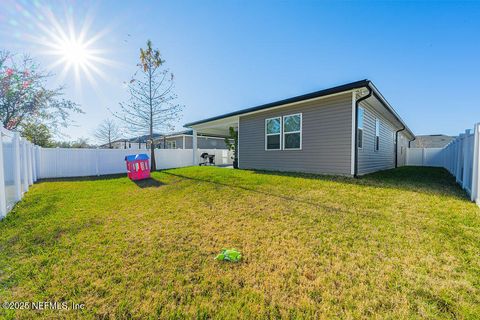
(75, 49)
(74, 52)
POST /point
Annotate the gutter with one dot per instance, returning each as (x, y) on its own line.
(396, 145)
(357, 102)
(410, 141)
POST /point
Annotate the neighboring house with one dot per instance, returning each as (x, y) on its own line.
(132, 143)
(345, 130)
(431, 141)
(183, 140)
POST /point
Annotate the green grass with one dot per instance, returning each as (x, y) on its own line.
(403, 243)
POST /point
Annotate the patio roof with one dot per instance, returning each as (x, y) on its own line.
(219, 125)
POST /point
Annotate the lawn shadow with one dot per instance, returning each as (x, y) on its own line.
(148, 183)
(270, 194)
(428, 180)
(87, 178)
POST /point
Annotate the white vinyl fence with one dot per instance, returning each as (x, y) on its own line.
(17, 169)
(431, 157)
(461, 158)
(65, 162)
(21, 163)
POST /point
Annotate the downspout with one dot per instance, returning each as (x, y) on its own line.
(396, 146)
(357, 103)
(410, 141)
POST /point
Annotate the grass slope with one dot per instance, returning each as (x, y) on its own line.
(396, 244)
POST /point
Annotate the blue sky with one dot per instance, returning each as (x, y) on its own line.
(228, 55)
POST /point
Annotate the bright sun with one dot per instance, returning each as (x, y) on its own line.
(73, 49)
(74, 53)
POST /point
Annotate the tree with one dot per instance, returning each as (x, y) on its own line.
(151, 106)
(107, 132)
(233, 146)
(79, 143)
(24, 97)
(37, 133)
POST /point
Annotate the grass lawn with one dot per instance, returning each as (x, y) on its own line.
(403, 243)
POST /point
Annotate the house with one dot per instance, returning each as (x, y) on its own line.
(183, 140)
(131, 143)
(348, 130)
(431, 141)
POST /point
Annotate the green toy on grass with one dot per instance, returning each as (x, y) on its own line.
(229, 255)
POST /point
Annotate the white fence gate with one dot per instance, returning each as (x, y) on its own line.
(461, 158)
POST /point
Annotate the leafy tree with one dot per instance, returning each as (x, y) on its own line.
(24, 97)
(37, 133)
(233, 146)
(107, 132)
(79, 143)
(151, 106)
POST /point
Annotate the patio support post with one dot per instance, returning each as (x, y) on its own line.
(194, 147)
(3, 197)
(17, 171)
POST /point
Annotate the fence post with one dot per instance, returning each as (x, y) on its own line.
(465, 149)
(30, 163)
(3, 197)
(459, 163)
(475, 196)
(25, 165)
(38, 162)
(17, 167)
(34, 163)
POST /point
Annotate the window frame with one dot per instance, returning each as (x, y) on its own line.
(376, 141)
(362, 128)
(273, 134)
(298, 131)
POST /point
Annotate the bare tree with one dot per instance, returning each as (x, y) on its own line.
(151, 106)
(107, 132)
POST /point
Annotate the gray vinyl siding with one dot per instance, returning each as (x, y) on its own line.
(370, 160)
(202, 142)
(326, 138)
(178, 142)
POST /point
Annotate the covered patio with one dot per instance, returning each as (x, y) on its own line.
(217, 126)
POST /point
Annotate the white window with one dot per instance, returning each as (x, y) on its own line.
(377, 134)
(172, 144)
(360, 114)
(273, 128)
(292, 132)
